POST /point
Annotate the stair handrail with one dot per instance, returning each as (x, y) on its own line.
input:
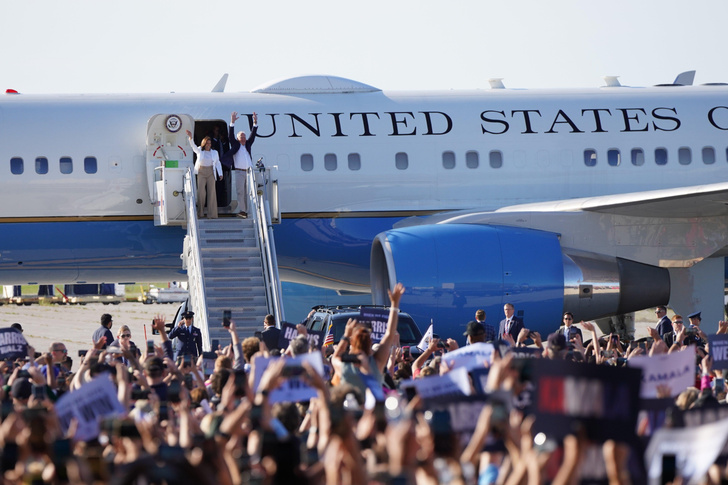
(195, 280)
(259, 197)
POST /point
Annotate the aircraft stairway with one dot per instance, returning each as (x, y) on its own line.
(231, 262)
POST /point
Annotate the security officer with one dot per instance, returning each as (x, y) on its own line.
(189, 338)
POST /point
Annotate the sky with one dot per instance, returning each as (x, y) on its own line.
(149, 46)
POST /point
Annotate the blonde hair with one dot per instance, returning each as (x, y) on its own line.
(122, 329)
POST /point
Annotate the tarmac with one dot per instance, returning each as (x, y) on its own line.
(75, 324)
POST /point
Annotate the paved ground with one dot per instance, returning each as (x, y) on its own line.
(74, 325)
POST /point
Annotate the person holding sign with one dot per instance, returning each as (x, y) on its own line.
(362, 367)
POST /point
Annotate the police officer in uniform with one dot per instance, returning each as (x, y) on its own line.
(188, 337)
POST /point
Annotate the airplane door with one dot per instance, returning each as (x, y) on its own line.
(169, 155)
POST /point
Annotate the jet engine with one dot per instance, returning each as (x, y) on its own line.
(451, 270)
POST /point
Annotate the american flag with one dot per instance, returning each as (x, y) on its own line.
(329, 340)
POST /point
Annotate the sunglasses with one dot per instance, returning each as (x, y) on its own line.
(568, 318)
(126, 335)
(65, 351)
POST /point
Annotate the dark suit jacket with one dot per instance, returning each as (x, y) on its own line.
(664, 326)
(516, 326)
(271, 335)
(228, 157)
(572, 331)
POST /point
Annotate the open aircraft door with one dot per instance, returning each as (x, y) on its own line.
(169, 155)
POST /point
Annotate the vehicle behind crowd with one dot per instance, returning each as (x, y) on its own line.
(332, 320)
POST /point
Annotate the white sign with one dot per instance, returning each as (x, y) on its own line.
(470, 357)
(676, 370)
(294, 388)
(695, 449)
(94, 400)
(455, 382)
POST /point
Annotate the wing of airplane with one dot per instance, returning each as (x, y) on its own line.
(594, 256)
(697, 201)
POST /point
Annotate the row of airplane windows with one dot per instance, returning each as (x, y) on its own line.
(65, 165)
(495, 158)
(401, 160)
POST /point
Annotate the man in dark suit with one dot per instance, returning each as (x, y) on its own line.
(270, 333)
(511, 324)
(664, 325)
(568, 330)
(240, 160)
(189, 337)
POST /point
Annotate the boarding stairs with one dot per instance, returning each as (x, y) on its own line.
(230, 261)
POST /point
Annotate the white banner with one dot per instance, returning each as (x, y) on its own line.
(470, 357)
(293, 389)
(676, 370)
(94, 400)
(455, 382)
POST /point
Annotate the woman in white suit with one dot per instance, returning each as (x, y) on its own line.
(207, 168)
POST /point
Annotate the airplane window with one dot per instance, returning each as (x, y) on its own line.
(614, 158)
(708, 155)
(401, 161)
(330, 162)
(16, 165)
(41, 165)
(306, 162)
(684, 156)
(590, 157)
(496, 159)
(661, 156)
(354, 161)
(66, 165)
(472, 159)
(638, 157)
(89, 165)
(448, 160)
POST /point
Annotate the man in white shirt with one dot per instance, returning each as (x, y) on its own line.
(240, 160)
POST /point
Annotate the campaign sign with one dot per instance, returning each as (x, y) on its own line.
(454, 383)
(289, 332)
(376, 319)
(694, 450)
(465, 410)
(719, 350)
(470, 357)
(654, 413)
(12, 344)
(524, 352)
(480, 379)
(601, 400)
(94, 400)
(293, 388)
(676, 371)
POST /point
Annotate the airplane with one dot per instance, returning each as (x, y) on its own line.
(600, 201)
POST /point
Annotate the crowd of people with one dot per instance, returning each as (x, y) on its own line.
(354, 412)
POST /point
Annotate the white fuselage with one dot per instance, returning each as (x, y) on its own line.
(345, 153)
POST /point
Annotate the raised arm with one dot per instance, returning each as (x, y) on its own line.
(382, 353)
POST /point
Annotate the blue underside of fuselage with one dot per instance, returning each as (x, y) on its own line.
(325, 252)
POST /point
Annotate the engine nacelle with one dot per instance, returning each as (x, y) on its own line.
(451, 270)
